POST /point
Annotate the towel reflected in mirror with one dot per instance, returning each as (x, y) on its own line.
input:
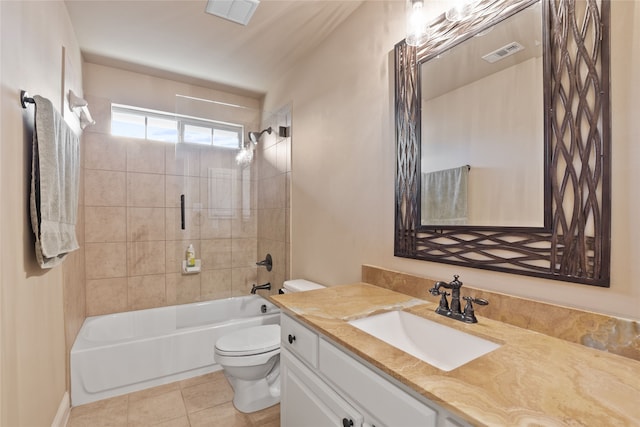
(444, 197)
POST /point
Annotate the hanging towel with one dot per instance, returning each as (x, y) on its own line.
(444, 197)
(55, 173)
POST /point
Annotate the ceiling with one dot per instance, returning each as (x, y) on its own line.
(177, 39)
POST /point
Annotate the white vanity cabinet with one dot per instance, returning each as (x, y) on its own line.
(324, 385)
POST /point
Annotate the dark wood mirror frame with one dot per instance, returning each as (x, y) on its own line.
(575, 243)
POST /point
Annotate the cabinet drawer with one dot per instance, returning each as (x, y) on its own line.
(300, 340)
(386, 402)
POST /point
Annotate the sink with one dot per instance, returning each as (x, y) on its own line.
(438, 345)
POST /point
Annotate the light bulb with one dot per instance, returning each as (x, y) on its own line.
(459, 11)
(417, 32)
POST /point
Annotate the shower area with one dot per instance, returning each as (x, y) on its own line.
(224, 191)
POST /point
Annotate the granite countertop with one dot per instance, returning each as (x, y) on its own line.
(532, 379)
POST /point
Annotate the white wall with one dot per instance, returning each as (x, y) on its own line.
(343, 163)
(32, 340)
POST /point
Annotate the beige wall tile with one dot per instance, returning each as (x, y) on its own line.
(214, 228)
(145, 224)
(178, 185)
(145, 190)
(106, 296)
(271, 224)
(105, 260)
(104, 152)
(146, 156)
(211, 157)
(104, 188)
(215, 284)
(272, 192)
(182, 159)
(105, 224)
(242, 279)
(146, 291)
(244, 226)
(173, 223)
(216, 254)
(145, 258)
(244, 253)
(183, 288)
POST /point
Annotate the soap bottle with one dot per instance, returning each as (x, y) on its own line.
(191, 256)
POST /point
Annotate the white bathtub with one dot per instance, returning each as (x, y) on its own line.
(124, 352)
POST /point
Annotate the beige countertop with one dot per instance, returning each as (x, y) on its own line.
(531, 380)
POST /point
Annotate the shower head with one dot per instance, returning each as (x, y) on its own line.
(255, 136)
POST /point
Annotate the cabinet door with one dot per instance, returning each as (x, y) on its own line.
(307, 401)
(366, 389)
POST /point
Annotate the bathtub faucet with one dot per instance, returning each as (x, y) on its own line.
(255, 287)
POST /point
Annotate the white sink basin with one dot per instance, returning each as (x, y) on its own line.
(438, 345)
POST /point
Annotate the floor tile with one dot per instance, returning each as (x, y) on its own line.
(208, 399)
(221, 415)
(104, 413)
(207, 394)
(267, 417)
(177, 422)
(153, 410)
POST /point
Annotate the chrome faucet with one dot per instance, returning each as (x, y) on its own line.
(454, 312)
(255, 287)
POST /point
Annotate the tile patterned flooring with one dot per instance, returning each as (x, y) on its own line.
(204, 401)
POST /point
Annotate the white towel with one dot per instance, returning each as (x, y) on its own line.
(55, 174)
(444, 197)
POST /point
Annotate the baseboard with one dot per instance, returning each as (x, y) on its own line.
(64, 410)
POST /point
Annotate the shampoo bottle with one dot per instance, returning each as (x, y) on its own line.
(191, 256)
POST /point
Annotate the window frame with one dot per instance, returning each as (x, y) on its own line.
(181, 121)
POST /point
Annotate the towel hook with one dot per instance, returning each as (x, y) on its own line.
(25, 99)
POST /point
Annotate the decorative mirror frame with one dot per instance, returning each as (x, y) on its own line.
(576, 245)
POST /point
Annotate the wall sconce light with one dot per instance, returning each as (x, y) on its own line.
(417, 30)
(459, 11)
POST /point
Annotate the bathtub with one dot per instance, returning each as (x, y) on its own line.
(124, 352)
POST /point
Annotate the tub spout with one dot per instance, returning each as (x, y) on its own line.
(255, 287)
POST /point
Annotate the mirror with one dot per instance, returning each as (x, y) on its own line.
(482, 107)
(569, 237)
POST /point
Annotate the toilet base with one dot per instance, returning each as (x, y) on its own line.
(255, 395)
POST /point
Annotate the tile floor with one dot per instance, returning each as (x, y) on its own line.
(196, 402)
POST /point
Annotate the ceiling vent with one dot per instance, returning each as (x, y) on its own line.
(503, 52)
(239, 11)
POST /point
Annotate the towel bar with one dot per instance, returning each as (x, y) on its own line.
(25, 99)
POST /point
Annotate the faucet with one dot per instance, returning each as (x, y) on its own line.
(454, 312)
(255, 287)
(267, 262)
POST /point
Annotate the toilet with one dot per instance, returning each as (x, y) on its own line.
(250, 359)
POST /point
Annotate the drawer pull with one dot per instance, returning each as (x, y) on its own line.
(347, 423)
(291, 338)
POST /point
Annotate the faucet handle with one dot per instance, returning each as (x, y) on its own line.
(469, 315)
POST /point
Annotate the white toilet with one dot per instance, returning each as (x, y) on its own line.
(250, 358)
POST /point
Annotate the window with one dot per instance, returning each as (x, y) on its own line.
(135, 122)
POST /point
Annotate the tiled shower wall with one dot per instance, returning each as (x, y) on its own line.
(134, 244)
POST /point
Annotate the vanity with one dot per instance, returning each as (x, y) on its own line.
(334, 373)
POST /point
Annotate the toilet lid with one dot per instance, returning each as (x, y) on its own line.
(254, 340)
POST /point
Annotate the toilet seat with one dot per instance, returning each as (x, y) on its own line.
(249, 341)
